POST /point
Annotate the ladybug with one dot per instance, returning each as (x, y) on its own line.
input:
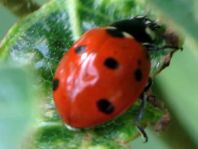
(105, 72)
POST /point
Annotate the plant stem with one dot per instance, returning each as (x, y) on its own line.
(74, 18)
(20, 7)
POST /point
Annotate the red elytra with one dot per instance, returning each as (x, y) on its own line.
(100, 77)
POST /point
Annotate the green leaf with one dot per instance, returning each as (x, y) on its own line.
(39, 41)
(16, 105)
(113, 135)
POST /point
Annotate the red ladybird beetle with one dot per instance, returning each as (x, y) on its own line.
(104, 72)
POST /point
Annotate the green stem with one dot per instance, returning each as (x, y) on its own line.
(74, 18)
(20, 7)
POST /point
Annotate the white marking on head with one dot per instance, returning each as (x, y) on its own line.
(150, 32)
(127, 35)
(147, 22)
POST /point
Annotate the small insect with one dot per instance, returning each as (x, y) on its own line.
(105, 72)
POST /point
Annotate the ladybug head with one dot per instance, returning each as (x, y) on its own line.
(141, 28)
(149, 32)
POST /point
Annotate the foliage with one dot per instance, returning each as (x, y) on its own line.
(39, 40)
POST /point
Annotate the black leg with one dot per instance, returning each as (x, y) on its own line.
(143, 98)
(148, 86)
(143, 133)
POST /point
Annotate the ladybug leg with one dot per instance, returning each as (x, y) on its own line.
(149, 84)
(143, 133)
(143, 98)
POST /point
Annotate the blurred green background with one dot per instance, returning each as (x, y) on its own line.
(177, 86)
(7, 20)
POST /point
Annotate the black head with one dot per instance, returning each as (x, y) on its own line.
(141, 28)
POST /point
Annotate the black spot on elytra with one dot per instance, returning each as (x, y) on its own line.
(138, 74)
(80, 49)
(105, 106)
(115, 32)
(55, 84)
(111, 63)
